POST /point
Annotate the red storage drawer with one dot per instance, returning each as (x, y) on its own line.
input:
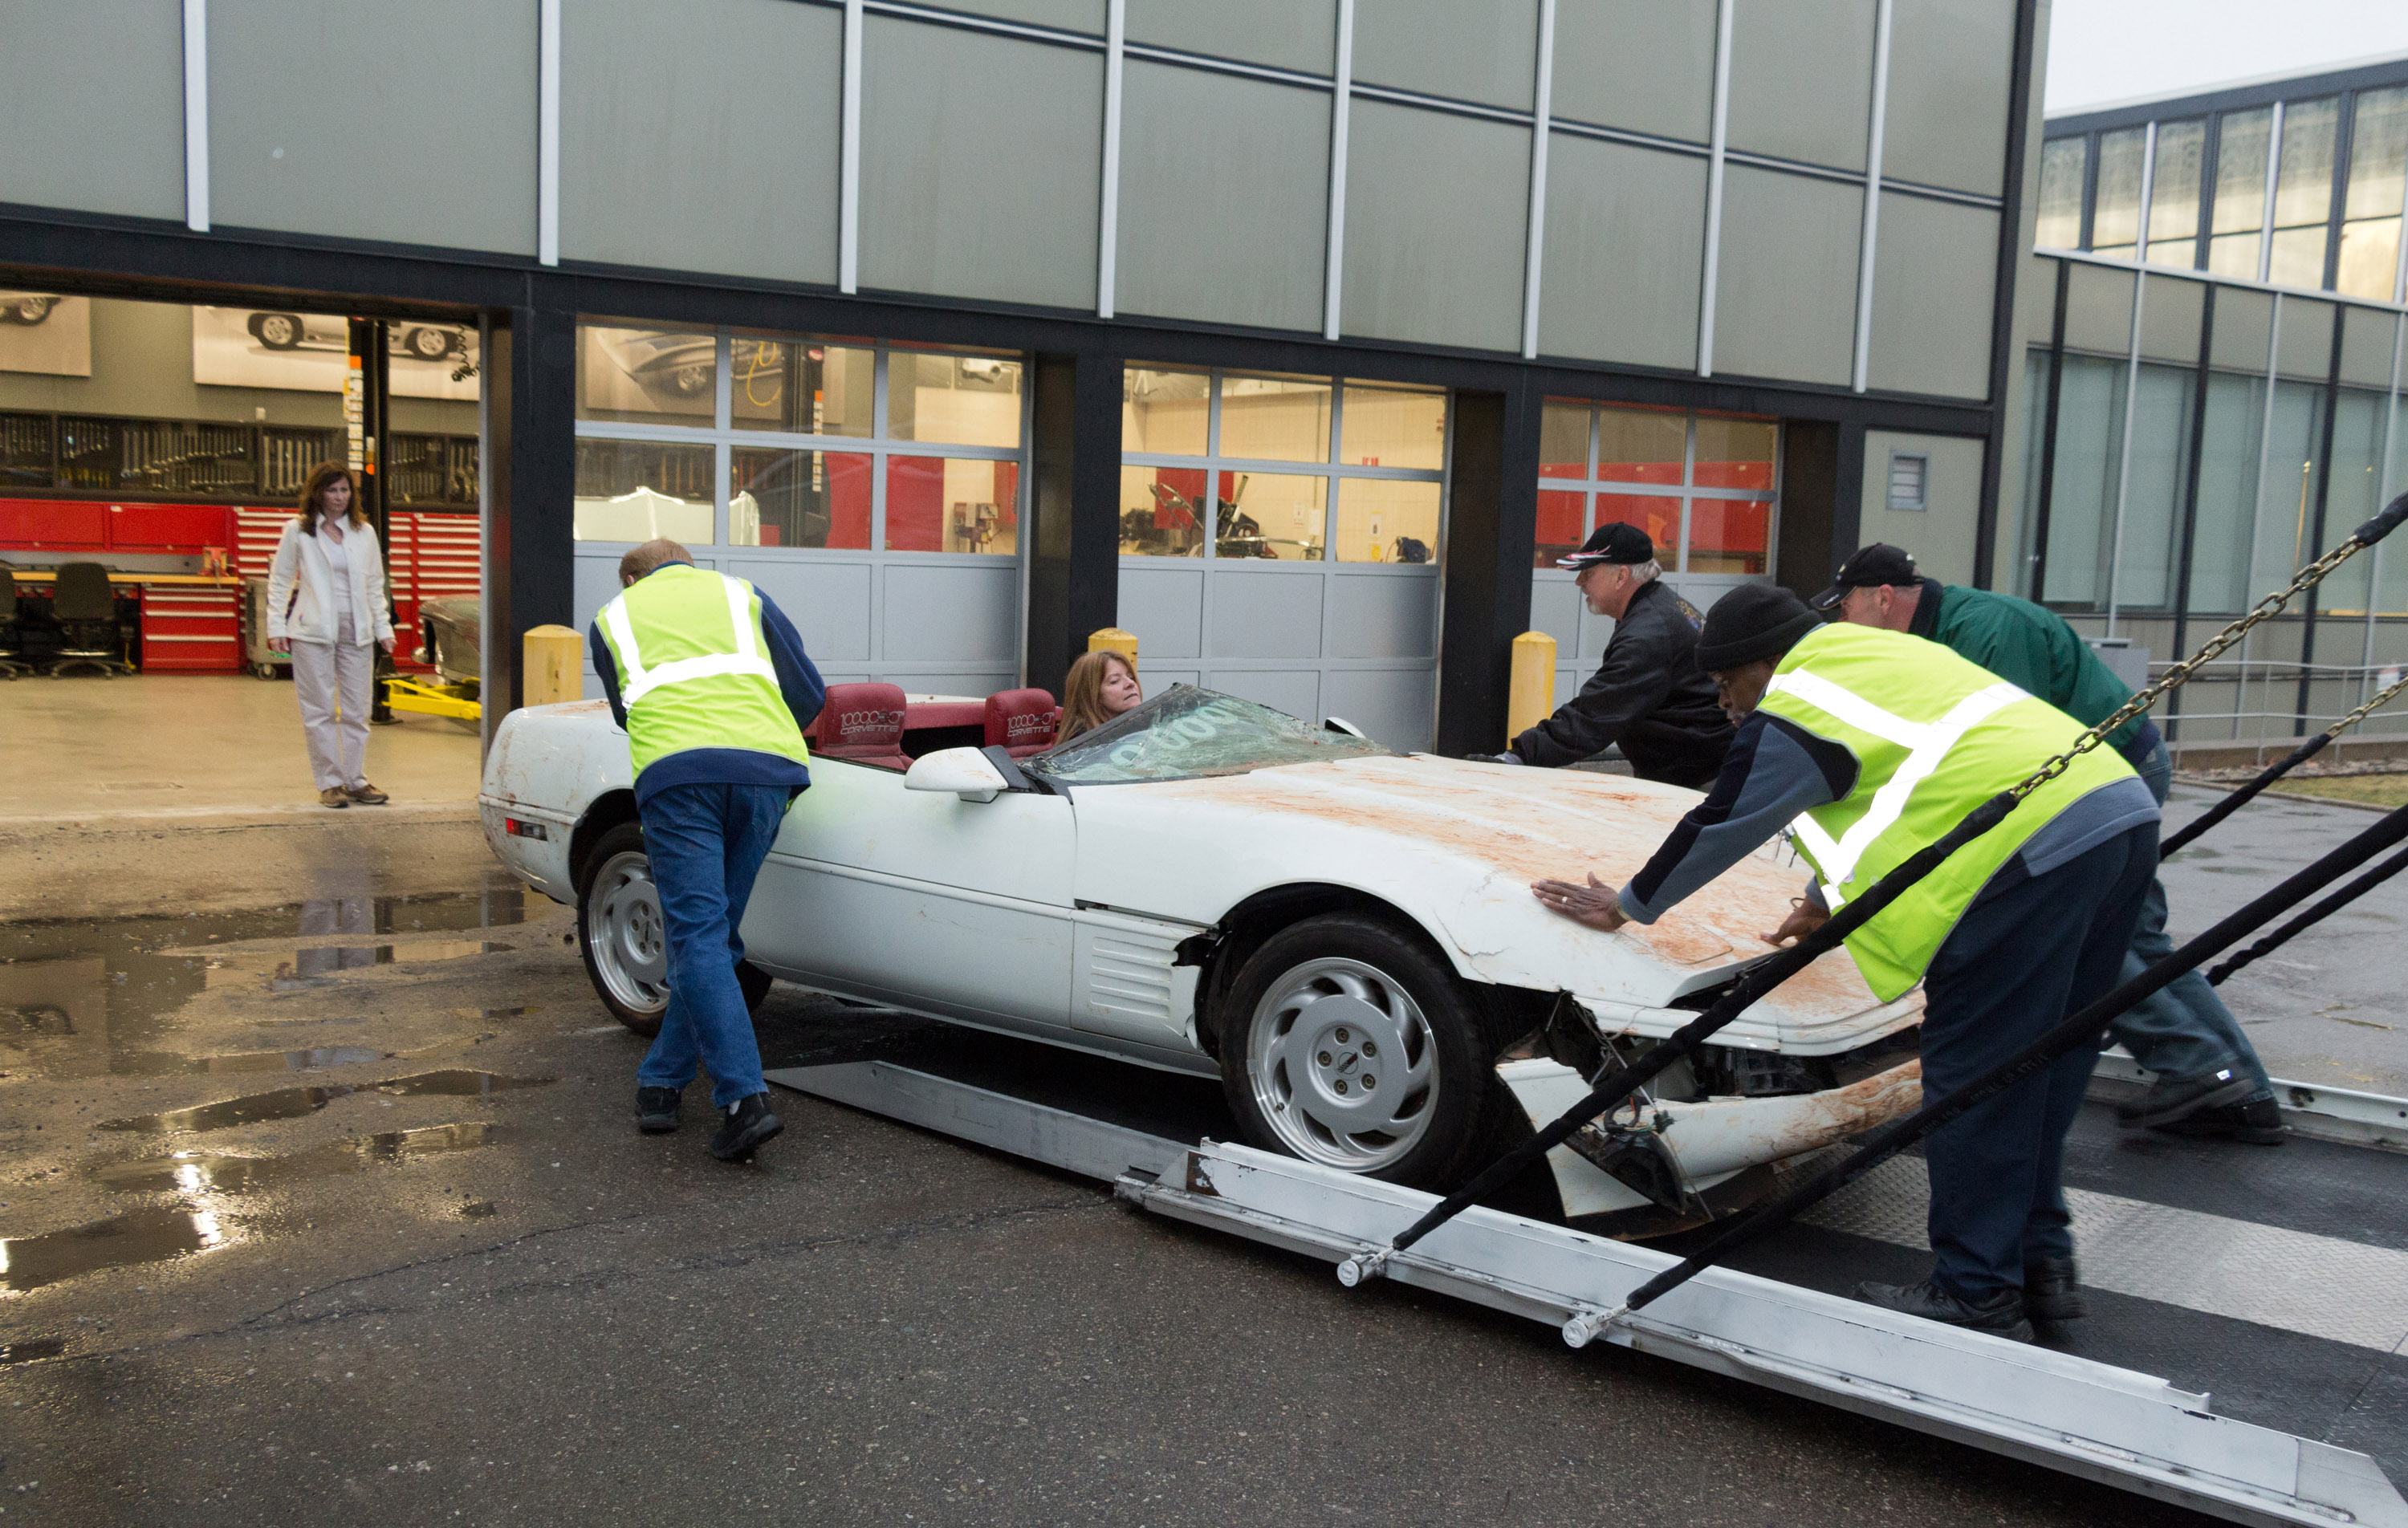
(53, 526)
(168, 527)
(190, 628)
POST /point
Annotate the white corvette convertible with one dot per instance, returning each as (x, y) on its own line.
(1344, 936)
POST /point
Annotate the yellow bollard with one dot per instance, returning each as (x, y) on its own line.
(553, 666)
(1115, 639)
(1531, 697)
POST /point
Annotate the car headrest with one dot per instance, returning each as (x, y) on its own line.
(859, 720)
(1018, 719)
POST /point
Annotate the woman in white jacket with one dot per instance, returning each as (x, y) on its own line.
(325, 605)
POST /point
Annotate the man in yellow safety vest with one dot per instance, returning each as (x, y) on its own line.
(710, 681)
(1870, 745)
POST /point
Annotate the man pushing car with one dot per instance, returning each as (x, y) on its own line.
(710, 681)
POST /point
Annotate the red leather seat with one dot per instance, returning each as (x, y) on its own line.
(864, 723)
(1022, 720)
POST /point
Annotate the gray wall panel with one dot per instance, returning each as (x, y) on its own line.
(1381, 615)
(1952, 65)
(1265, 615)
(430, 139)
(92, 106)
(1934, 270)
(1398, 708)
(1625, 239)
(1065, 15)
(1294, 691)
(1164, 609)
(1643, 65)
(1787, 302)
(2036, 299)
(1940, 536)
(1300, 35)
(982, 158)
(2366, 337)
(2170, 311)
(1485, 50)
(2099, 311)
(2245, 328)
(2304, 348)
(1436, 211)
(827, 602)
(952, 614)
(663, 164)
(1224, 195)
(1802, 79)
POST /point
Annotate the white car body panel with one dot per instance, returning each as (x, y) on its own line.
(1060, 919)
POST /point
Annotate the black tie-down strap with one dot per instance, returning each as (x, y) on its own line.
(2315, 915)
(2082, 1029)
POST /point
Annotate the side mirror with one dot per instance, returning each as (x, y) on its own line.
(964, 772)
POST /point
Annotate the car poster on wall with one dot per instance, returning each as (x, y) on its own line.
(256, 346)
(43, 331)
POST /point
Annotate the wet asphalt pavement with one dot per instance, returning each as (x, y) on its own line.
(321, 1200)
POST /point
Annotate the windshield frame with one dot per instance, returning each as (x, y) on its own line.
(1295, 742)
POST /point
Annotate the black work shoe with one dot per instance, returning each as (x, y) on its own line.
(2051, 1293)
(656, 1109)
(748, 1122)
(2170, 1099)
(2257, 1123)
(2001, 1315)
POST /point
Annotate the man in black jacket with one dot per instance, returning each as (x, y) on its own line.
(1649, 695)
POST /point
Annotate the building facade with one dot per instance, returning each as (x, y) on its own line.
(1298, 337)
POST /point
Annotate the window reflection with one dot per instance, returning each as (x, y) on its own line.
(1162, 511)
(2062, 164)
(637, 490)
(958, 400)
(1563, 525)
(1640, 446)
(1277, 515)
(2378, 162)
(1735, 452)
(779, 498)
(1381, 519)
(2174, 193)
(1389, 428)
(2238, 219)
(2115, 218)
(946, 504)
(647, 376)
(1563, 439)
(801, 387)
(1165, 413)
(2303, 194)
(1660, 518)
(1274, 419)
(1729, 535)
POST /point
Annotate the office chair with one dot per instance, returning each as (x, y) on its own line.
(12, 652)
(85, 608)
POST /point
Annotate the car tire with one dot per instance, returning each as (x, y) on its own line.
(427, 344)
(1306, 1081)
(277, 331)
(624, 939)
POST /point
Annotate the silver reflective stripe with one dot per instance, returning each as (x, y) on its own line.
(1927, 744)
(640, 681)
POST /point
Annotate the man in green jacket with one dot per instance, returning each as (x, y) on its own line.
(2209, 1080)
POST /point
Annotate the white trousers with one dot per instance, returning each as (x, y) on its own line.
(332, 681)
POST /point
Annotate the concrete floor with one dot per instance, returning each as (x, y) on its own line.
(189, 745)
(319, 1195)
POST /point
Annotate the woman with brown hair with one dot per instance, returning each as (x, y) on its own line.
(325, 605)
(1102, 684)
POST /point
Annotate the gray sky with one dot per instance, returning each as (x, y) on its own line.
(2103, 50)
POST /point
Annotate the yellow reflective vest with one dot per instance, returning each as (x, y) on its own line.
(694, 667)
(1934, 736)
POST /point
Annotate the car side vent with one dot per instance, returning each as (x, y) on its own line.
(1127, 977)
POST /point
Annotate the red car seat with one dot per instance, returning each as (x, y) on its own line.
(862, 722)
(1022, 720)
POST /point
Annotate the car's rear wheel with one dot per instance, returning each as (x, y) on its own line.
(1349, 1045)
(277, 331)
(624, 938)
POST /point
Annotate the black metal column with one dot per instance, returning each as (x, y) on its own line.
(369, 450)
(530, 380)
(2316, 547)
(2190, 503)
(2047, 486)
(2006, 340)
(1492, 527)
(1074, 512)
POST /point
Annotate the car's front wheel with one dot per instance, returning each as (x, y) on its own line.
(1349, 1045)
(624, 938)
(277, 331)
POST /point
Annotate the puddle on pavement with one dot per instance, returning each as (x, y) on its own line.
(210, 1172)
(141, 1236)
(316, 1059)
(30, 1348)
(296, 1102)
(316, 967)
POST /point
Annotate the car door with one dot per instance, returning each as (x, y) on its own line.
(922, 899)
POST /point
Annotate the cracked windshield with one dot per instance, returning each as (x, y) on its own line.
(1187, 733)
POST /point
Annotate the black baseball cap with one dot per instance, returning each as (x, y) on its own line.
(1868, 567)
(1613, 542)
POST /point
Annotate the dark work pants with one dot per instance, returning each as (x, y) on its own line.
(2017, 962)
(707, 843)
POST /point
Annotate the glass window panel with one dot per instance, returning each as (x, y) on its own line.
(647, 376)
(2369, 258)
(637, 490)
(1159, 511)
(1383, 522)
(2228, 480)
(2082, 498)
(1641, 445)
(1271, 514)
(2303, 193)
(1563, 440)
(801, 387)
(944, 504)
(1387, 427)
(2285, 508)
(1562, 525)
(1165, 412)
(1274, 419)
(1735, 452)
(2114, 251)
(2152, 502)
(2392, 568)
(2234, 255)
(2174, 193)
(2115, 221)
(2299, 257)
(1729, 535)
(2354, 496)
(1660, 518)
(953, 400)
(2238, 217)
(2062, 161)
(2378, 165)
(798, 499)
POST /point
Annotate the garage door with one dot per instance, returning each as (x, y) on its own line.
(1281, 539)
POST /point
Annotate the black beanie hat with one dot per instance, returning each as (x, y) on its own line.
(1752, 622)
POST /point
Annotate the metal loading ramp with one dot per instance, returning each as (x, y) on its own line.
(2307, 1330)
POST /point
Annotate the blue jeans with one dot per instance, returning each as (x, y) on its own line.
(2183, 1029)
(2015, 966)
(707, 843)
